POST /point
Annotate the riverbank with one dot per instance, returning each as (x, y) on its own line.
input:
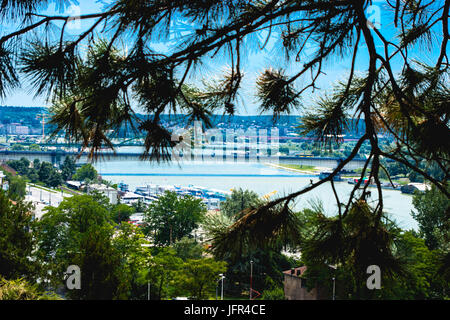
(258, 177)
(309, 170)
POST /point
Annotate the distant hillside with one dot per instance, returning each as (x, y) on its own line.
(24, 115)
(27, 116)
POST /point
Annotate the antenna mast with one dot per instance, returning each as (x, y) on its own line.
(43, 117)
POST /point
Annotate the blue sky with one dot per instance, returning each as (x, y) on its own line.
(335, 68)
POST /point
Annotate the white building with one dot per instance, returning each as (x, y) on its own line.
(131, 197)
(109, 192)
(22, 130)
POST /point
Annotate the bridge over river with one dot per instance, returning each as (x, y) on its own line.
(58, 156)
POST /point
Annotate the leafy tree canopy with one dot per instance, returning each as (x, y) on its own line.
(86, 172)
(173, 217)
(239, 200)
(16, 242)
(432, 212)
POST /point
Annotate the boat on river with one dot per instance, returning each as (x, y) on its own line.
(211, 197)
(325, 174)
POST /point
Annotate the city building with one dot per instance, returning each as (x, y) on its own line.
(109, 192)
(22, 130)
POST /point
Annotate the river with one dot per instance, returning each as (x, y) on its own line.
(258, 177)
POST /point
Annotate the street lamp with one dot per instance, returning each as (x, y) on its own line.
(334, 281)
(220, 279)
(148, 281)
(251, 276)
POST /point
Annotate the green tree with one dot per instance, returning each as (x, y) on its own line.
(36, 164)
(273, 290)
(268, 261)
(100, 262)
(68, 168)
(17, 147)
(431, 211)
(45, 171)
(33, 175)
(55, 179)
(16, 240)
(188, 248)
(129, 241)
(17, 188)
(421, 281)
(161, 271)
(173, 217)
(79, 231)
(21, 166)
(199, 277)
(352, 243)
(34, 147)
(86, 172)
(139, 206)
(121, 212)
(239, 200)
(20, 289)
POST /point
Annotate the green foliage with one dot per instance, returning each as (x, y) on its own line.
(21, 166)
(432, 211)
(274, 291)
(276, 93)
(40, 172)
(16, 241)
(17, 147)
(49, 175)
(54, 180)
(36, 164)
(188, 248)
(352, 242)
(199, 277)
(273, 294)
(121, 212)
(17, 188)
(86, 172)
(128, 241)
(264, 227)
(171, 217)
(420, 282)
(20, 289)
(162, 270)
(268, 260)
(68, 168)
(34, 147)
(79, 231)
(139, 206)
(329, 119)
(235, 205)
(33, 175)
(101, 268)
